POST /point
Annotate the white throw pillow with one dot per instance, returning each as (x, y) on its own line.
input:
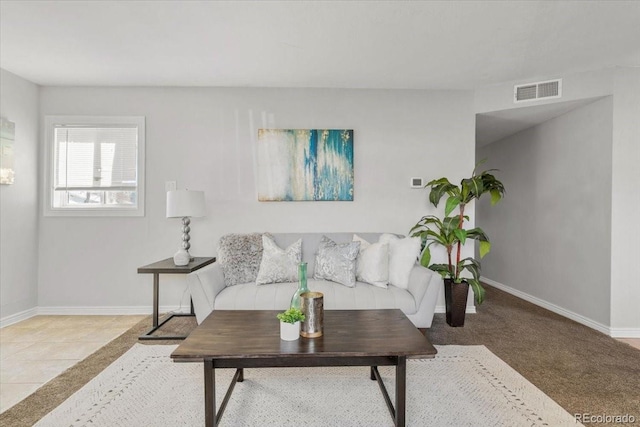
(403, 254)
(279, 265)
(372, 262)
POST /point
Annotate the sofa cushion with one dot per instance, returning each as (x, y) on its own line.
(403, 254)
(239, 256)
(336, 262)
(372, 264)
(279, 265)
(362, 296)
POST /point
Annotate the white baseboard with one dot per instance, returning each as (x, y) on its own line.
(624, 332)
(18, 317)
(108, 311)
(87, 311)
(612, 332)
(471, 309)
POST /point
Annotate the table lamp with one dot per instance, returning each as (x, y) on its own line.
(184, 204)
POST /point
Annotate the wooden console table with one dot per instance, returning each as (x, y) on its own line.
(166, 266)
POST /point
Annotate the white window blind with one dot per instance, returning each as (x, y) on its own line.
(96, 158)
(95, 165)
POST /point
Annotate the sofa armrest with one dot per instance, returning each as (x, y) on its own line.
(424, 285)
(419, 282)
(204, 285)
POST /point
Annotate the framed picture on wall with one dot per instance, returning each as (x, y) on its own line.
(305, 165)
(7, 137)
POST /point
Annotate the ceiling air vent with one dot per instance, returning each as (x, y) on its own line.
(540, 90)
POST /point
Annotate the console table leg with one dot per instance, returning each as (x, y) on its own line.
(156, 290)
(401, 390)
(209, 394)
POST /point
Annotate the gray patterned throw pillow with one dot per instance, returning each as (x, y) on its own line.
(239, 256)
(279, 265)
(337, 262)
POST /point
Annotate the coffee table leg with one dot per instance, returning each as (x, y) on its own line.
(401, 390)
(209, 394)
(373, 375)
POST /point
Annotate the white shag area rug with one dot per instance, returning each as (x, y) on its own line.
(462, 386)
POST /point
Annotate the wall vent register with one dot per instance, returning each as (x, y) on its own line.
(536, 91)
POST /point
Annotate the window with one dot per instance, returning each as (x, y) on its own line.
(95, 166)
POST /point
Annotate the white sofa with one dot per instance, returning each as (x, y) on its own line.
(418, 302)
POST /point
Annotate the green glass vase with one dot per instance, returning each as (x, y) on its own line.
(302, 285)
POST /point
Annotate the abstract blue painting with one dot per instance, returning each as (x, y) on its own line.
(305, 164)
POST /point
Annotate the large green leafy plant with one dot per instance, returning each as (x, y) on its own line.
(450, 232)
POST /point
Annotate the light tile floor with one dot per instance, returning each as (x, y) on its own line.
(38, 349)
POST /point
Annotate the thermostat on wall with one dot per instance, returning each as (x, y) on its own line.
(416, 183)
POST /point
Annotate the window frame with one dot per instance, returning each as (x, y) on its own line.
(50, 168)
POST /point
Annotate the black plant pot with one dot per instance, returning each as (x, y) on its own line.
(455, 296)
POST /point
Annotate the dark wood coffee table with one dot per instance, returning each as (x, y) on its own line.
(251, 339)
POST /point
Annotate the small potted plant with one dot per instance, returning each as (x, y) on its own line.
(290, 324)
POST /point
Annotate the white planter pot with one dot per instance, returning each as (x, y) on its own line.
(289, 331)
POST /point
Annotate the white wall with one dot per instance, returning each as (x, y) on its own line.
(623, 84)
(551, 233)
(625, 202)
(204, 138)
(19, 201)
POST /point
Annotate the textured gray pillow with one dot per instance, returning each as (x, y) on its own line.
(239, 255)
(337, 262)
(279, 265)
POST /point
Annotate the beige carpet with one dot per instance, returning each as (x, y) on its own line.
(582, 369)
(461, 386)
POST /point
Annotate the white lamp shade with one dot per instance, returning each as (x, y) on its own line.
(181, 203)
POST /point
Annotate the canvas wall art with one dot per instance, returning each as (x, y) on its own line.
(305, 164)
(7, 137)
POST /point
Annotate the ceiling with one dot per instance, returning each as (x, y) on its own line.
(320, 44)
(497, 125)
